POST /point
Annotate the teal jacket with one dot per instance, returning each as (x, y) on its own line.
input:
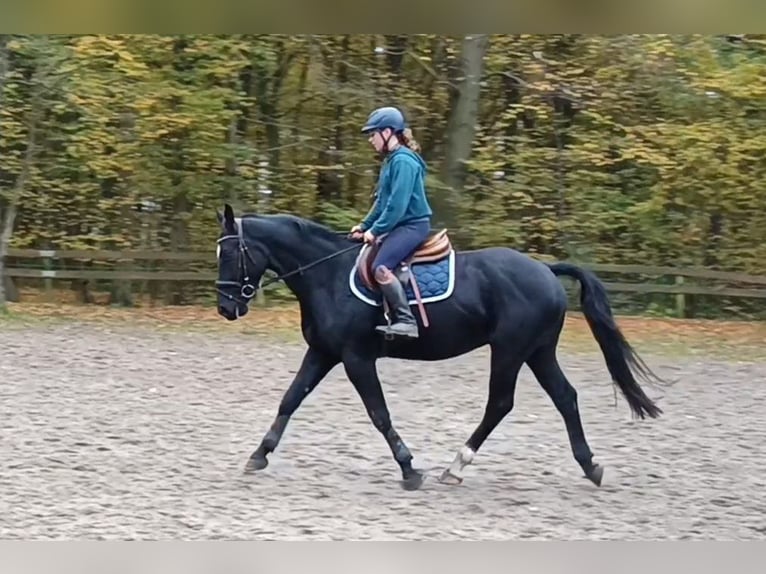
(400, 196)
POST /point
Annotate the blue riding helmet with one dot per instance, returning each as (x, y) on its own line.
(382, 118)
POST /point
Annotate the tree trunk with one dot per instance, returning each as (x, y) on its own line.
(297, 114)
(8, 217)
(396, 47)
(329, 182)
(268, 91)
(461, 125)
(3, 66)
(429, 81)
(11, 207)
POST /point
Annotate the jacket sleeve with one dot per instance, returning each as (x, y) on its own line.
(373, 214)
(403, 177)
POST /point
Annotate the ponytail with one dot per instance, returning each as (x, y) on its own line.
(406, 138)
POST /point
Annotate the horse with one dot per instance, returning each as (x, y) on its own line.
(497, 296)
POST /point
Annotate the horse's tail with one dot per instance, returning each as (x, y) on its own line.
(620, 357)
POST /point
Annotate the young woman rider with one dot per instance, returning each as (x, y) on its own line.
(400, 217)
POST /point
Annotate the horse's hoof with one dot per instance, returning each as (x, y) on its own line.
(596, 474)
(413, 481)
(448, 478)
(256, 463)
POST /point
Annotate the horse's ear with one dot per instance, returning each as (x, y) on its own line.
(228, 219)
(219, 217)
(228, 214)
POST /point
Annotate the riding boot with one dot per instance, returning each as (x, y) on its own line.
(402, 320)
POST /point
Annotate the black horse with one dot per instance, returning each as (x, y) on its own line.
(499, 297)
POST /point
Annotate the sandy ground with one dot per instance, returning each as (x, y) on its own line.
(139, 434)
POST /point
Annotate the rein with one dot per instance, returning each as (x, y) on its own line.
(247, 289)
(303, 268)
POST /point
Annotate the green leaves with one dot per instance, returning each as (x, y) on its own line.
(614, 148)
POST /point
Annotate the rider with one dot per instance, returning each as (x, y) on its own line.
(401, 216)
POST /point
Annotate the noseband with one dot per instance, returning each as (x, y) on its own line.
(246, 289)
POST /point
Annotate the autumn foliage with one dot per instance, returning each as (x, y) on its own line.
(610, 149)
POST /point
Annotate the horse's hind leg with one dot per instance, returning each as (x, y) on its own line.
(545, 367)
(505, 366)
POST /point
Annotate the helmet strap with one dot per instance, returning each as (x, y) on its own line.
(386, 140)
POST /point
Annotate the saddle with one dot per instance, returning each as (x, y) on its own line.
(434, 248)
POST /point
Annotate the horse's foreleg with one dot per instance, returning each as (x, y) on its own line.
(313, 369)
(364, 376)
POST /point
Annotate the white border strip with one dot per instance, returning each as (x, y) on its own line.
(432, 299)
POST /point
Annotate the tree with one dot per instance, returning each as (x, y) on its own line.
(32, 70)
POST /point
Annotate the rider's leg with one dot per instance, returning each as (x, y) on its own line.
(402, 319)
(398, 246)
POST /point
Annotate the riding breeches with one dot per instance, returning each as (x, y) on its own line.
(400, 243)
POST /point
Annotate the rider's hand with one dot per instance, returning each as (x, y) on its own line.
(356, 233)
(369, 237)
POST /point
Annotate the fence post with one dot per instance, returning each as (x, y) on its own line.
(47, 256)
(680, 299)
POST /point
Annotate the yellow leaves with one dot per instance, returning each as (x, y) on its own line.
(645, 155)
(15, 45)
(633, 160)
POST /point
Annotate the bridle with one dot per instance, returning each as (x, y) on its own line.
(246, 289)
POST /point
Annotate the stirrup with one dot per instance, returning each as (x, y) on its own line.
(388, 331)
(383, 329)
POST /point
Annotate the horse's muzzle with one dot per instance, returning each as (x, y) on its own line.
(233, 312)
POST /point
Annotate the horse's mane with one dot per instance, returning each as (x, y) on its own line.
(305, 226)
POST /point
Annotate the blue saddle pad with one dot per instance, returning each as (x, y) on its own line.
(436, 281)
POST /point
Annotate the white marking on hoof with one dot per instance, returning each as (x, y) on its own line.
(454, 474)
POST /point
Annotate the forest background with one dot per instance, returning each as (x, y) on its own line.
(625, 149)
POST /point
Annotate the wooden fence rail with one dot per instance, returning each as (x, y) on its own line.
(731, 284)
